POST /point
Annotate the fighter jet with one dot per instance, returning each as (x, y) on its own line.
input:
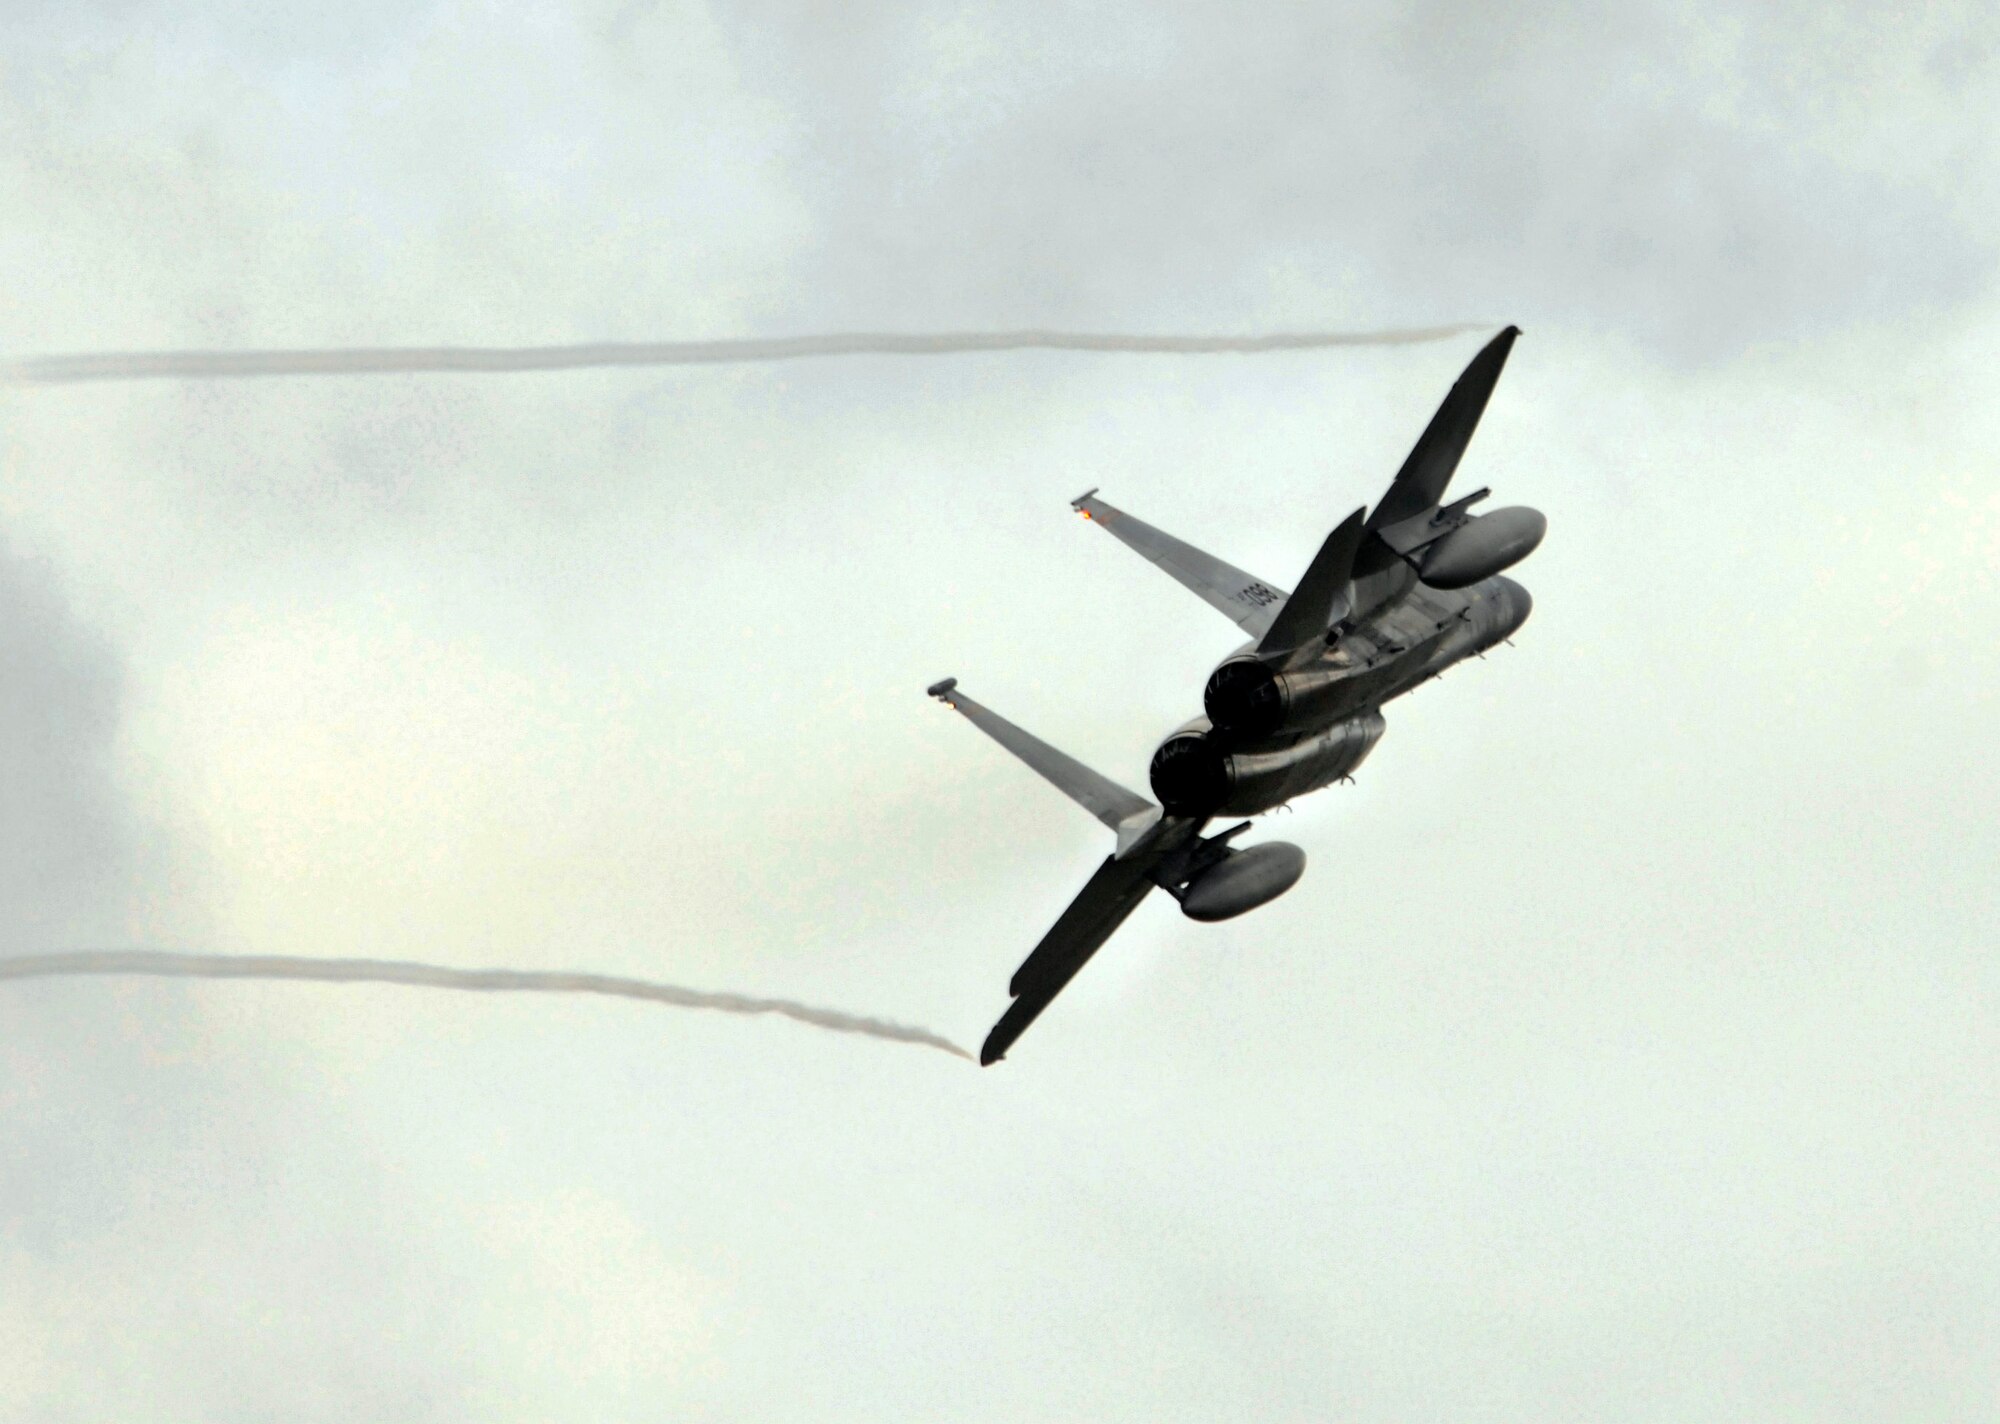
(1394, 597)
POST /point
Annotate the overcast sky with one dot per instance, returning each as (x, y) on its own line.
(1628, 1052)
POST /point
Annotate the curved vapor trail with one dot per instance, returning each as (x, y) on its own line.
(379, 360)
(433, 976)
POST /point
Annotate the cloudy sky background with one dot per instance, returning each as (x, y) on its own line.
(1628, 1052)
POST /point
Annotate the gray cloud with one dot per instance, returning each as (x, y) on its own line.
(66, 853)
(1686, 183)
(1627, 1049)
(138, 1172)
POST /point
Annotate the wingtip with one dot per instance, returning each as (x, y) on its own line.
(996, 1043)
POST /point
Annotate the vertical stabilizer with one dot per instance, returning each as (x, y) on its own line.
(1244, 599)
(1321, 595)
(1126, 812)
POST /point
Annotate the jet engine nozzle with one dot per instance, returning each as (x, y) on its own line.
(1243, 697)
(1195, 773)
(1190, 775)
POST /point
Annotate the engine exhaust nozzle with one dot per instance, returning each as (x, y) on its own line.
(1188, 774)
(1243, 697)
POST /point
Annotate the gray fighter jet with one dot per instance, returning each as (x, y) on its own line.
(1392, 599)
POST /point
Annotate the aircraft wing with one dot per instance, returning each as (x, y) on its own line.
(1152, 848)
(1106, 901)
(1252, 603)
(1421, 483)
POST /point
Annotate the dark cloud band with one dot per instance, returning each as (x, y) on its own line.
(363, 361)
(432, 976)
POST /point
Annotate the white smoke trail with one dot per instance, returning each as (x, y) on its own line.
(357, 361)
(432, 976)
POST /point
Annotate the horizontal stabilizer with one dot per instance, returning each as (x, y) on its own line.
(1126, 812)
(1421, 482)
(1244, 598)
(1321, 595)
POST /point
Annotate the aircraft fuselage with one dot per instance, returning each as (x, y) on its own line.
(1275, 733)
